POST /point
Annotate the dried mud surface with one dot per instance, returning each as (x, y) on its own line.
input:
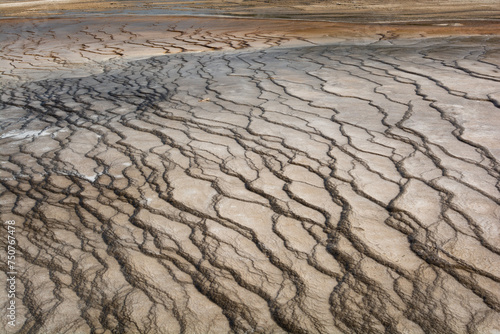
(349, 186)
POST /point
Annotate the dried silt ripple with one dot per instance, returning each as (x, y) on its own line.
(324, 189)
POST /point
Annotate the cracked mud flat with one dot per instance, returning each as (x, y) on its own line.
(350, 187)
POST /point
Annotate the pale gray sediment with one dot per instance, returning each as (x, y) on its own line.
(321, 189)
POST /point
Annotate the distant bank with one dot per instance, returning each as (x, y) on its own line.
(360, 11)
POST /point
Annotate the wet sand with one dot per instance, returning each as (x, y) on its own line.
(208, 175)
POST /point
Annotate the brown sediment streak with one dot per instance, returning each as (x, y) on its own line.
(37, 48)
(350, 187)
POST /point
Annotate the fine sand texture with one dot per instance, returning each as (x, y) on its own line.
(181, 175)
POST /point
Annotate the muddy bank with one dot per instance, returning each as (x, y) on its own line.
(49, 48)
(350, 188)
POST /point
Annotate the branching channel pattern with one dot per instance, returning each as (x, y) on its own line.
(319, 189)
